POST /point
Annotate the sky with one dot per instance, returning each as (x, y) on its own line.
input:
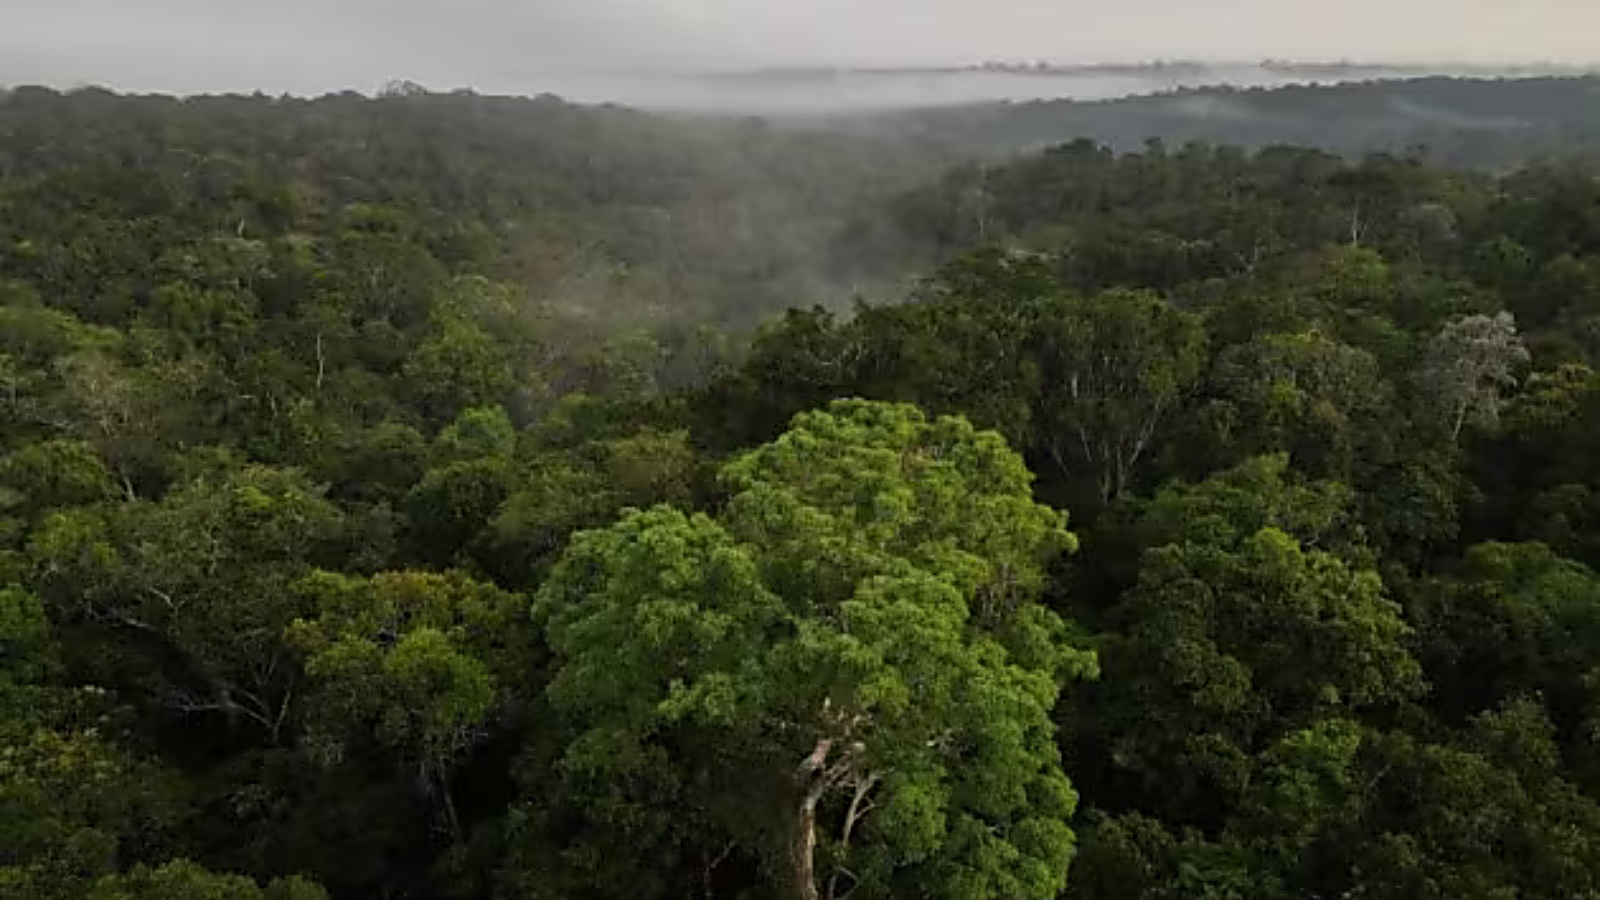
(313, 46)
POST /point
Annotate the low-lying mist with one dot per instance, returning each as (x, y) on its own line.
(801, 92)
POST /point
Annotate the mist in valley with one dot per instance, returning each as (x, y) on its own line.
(805, 92)
(649, 449)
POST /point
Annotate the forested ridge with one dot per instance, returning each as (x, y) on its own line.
(429, 496)
(1465, 121)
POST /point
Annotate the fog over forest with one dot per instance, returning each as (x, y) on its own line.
(805, 91)
(638, 51)
(799, 450)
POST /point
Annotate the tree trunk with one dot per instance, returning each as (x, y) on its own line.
(803, 851)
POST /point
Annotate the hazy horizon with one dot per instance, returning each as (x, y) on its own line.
(534, 46)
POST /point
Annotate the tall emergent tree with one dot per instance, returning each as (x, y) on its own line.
(844, 682)
(1470, 362)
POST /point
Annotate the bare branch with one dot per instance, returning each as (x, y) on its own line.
(224, 704)
(118, 617)
(322, 362)
(833, 884)
(164, 597)
(814, 762)
(859, 806)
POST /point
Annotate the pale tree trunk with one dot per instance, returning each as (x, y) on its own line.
(812, 780)
(816, 776)
(803, 850)
(1460, 422)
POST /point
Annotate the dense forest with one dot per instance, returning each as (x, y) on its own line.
(442, 496)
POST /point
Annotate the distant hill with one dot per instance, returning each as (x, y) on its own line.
(828, 90)
(1466, 121)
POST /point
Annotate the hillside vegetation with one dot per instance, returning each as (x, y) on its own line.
(1476, 122)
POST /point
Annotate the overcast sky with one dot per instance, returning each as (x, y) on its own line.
(308, 46)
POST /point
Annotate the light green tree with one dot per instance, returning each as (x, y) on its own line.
(422, 662)
(182, 880)
(845, 679)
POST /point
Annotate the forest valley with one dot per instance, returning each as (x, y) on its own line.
(445, 496)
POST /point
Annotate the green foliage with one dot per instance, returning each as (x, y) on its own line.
(1222, 646)
(1116, 366)
(52, 475)
(64, 800)
(183, 602)
(1305, 394)
(28, 654)
(1249, 614)
(186, 881)
(72, 803)
(400, 493)
(1516, 621)
(848, 489)
(1232, 506)
(759, 692)
(418, 661)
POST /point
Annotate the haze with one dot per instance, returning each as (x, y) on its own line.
(600, 47)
